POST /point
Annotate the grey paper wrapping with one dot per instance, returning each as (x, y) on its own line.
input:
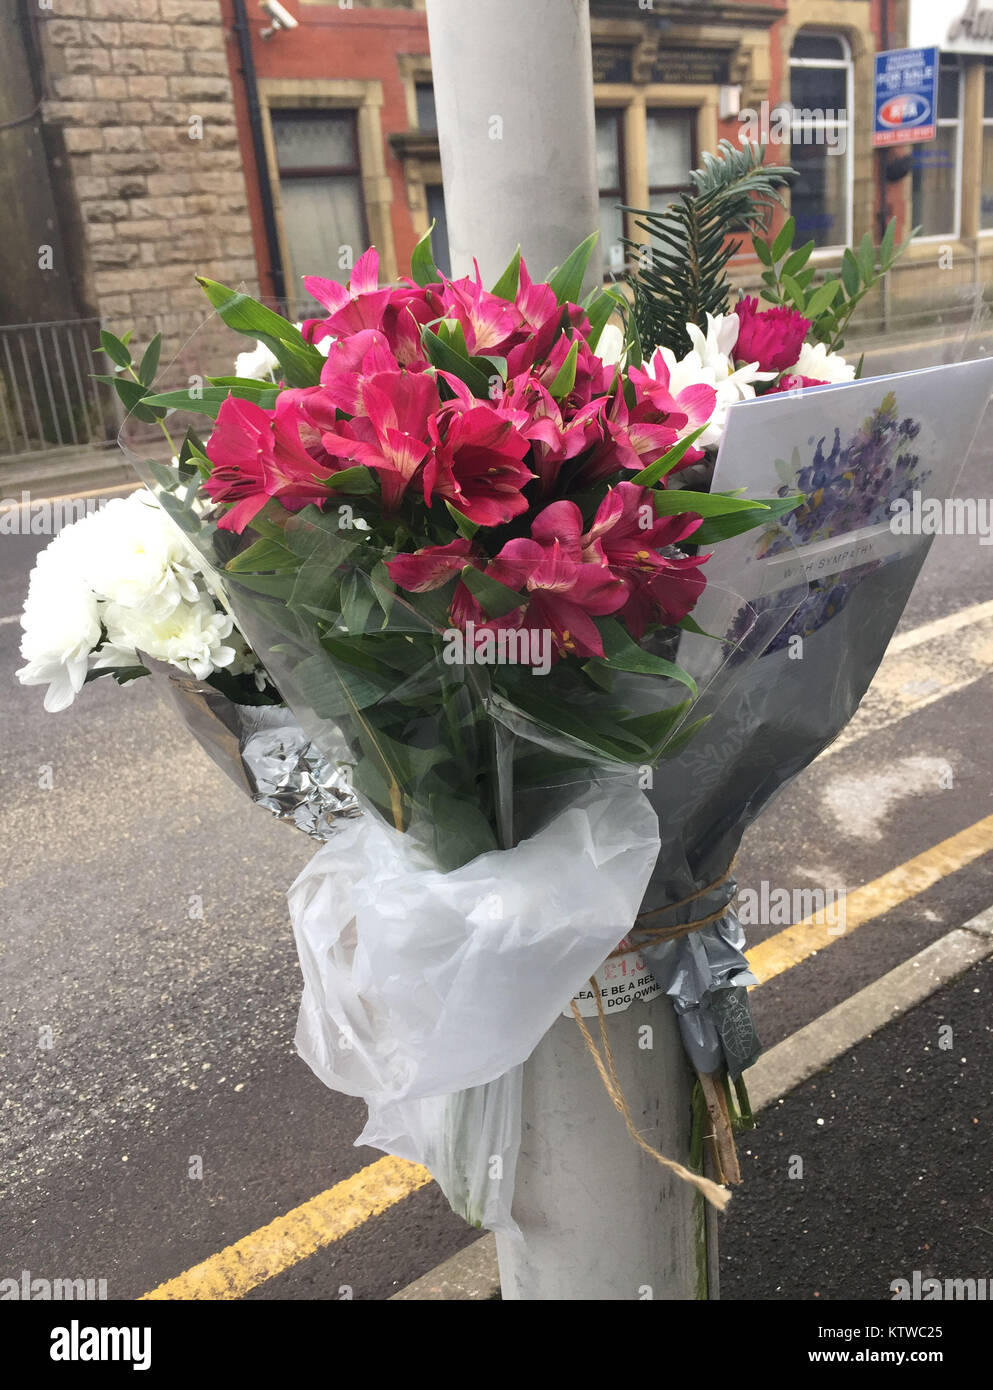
(781, 714)
(264, 751)
(857, 452)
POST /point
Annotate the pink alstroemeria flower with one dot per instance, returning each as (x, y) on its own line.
(432, 567)
(628, 535)
(565, 589)
(478, 459)
(352, 307)
(258, 455)
(398, 312)
(632, 438)
(392, 436)
(553, 440)
(487, 321)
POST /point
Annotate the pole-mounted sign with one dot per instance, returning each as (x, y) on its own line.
(905, 96)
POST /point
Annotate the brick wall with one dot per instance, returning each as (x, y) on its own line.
(129, 82)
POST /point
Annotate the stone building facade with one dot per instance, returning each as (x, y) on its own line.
(135, 107)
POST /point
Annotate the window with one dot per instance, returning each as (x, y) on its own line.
(320, 191)
(427, 117)
(986, 177)
(671, 155)
(435, 196)
(935, 180)
(610, 180)
(820, 97)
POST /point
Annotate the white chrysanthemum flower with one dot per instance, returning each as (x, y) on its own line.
(61, 625)
(258, 365)
(820, 365)
(711, 361)
(61, 618)
(137, 557)
(191, 636)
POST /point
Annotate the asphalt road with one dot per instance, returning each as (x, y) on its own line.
(171, 1034)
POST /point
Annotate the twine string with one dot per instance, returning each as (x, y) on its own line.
(716, 1195)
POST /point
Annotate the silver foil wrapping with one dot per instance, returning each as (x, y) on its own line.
(265, 752)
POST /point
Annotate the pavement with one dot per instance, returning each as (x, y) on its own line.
(154, 1117)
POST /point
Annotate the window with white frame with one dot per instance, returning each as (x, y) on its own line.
(986, 177)
(937, 163)
(820, 124)
(610, 180)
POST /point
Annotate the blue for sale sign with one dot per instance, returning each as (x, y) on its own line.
(906, 96)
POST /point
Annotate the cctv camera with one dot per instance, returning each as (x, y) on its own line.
(281, 18)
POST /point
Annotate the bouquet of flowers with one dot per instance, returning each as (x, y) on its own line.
(466, 530)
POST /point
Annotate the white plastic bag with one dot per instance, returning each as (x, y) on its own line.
(419, 984)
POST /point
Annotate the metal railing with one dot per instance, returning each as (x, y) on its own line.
(48, 399)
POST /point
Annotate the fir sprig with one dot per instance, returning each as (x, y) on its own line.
(680, 272)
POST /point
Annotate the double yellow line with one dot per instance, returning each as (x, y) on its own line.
(274, 1248)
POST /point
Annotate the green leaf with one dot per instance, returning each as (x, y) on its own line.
(649, 476)
(850, 272)
(150, 361)
(760, 513)
(604, 304)
(689, 624)
(495, 598)
(164, 474)
(450, 331)
(567, 281)
(858, 369)
(423, 270)
(763, 250)
(632, 343)
(245, 383)
(301, 362)
(263, 557)
(133, 398)
(357, 601)
(508, 284)
(598, 735)
(822, 298)
(866, 259)
(784, 239)
(115, 349)
(677, 501)
(798, 259)
(655, 729)
(210, 398)
(623, 654)
(886, 245)
(565, 378)
(794, 291)
(446, 359)
(354, 482)
(466, 528)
